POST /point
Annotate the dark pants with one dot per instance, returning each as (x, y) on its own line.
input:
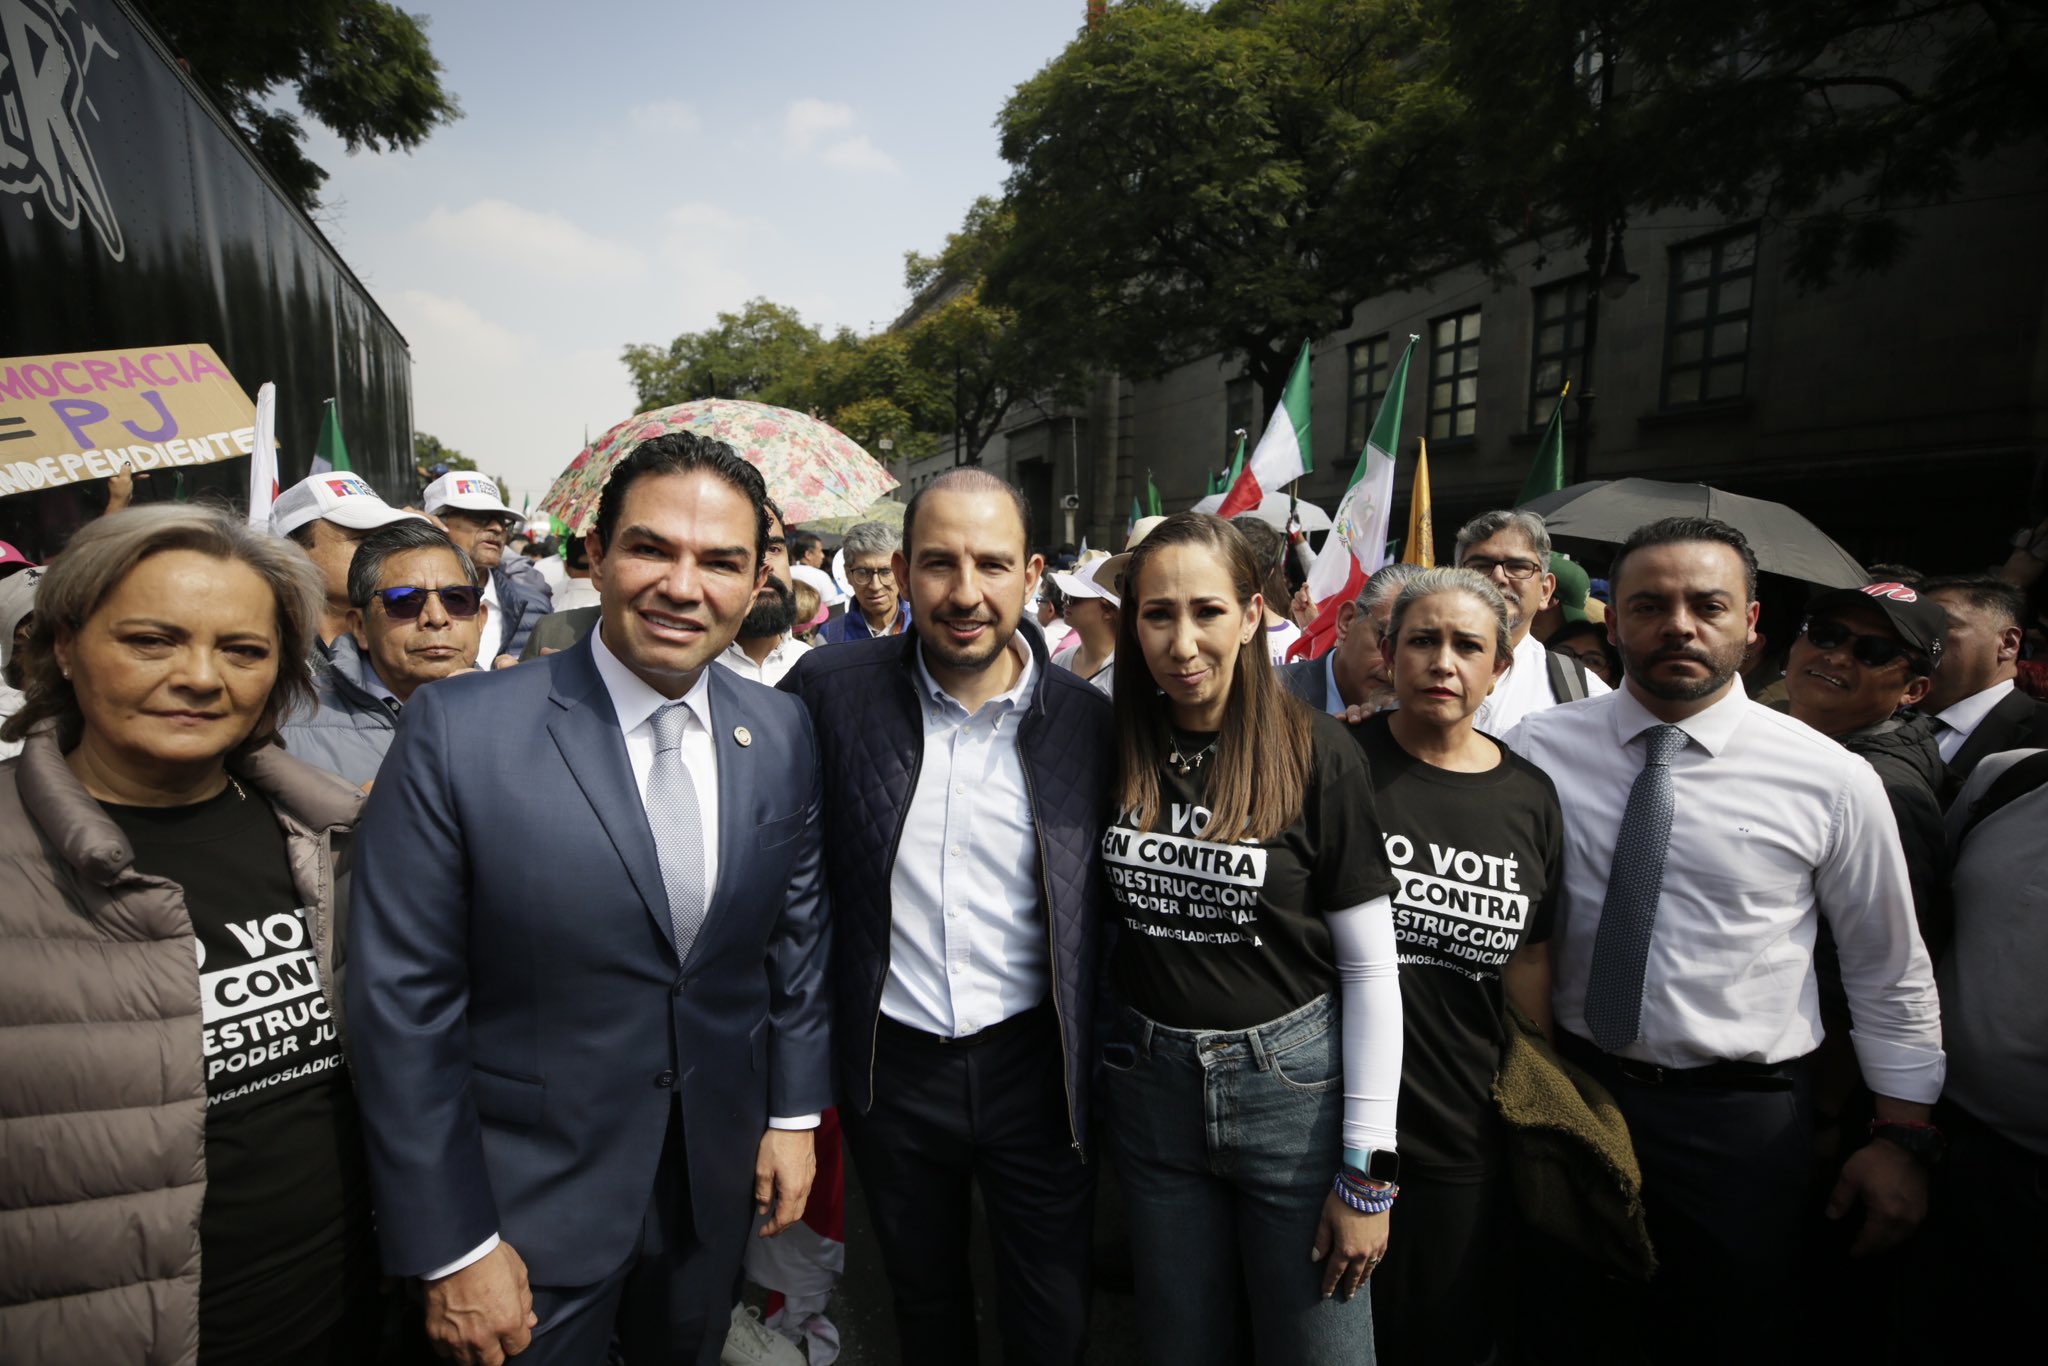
(989, 1109)
(670, 1304)
(1990, 1213)
(1438, 1297)
(1725, 1179)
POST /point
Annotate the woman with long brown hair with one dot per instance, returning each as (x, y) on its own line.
(1256, 1060)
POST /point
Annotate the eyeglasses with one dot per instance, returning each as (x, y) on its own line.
(1872, 652)
(459, 601)
(865, 576)
(1518, 571)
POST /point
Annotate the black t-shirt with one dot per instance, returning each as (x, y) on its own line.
(1476, 857)
(285, 1230)
(1228, 936)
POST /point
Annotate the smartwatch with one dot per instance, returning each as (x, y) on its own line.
(1923, 1141)
(1377, 1164)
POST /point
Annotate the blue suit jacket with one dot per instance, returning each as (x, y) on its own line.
(516, 1014)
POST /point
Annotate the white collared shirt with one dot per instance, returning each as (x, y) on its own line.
(494, 624)
(778, 661)
(967, 931)
(1960, 719)
(1523, 689)
(1771, 822)
(635, 702)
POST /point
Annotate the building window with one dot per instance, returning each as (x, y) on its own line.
(1366, 388)
(1706, 346)
(1237, 414)
(1560, 343)
(1454, 375)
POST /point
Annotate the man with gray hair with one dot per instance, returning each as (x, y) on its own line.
(878, 608)
(1512, 547)
(1353, 673)
(416, 613)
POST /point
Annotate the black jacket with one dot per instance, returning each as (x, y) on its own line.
(2017, 722)
(863, 701)
(1907, 757)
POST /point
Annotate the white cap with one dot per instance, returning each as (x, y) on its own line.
(829, 593)
(465, 491)
(1081, 582)
(338, 497)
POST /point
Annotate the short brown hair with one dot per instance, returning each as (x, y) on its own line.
(106, 552)
(1264, 756)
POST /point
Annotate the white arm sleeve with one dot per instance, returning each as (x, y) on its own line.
(1363, 937)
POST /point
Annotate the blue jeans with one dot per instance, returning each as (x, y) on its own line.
(1228, 1144)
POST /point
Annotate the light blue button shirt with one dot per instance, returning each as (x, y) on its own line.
(967, 937)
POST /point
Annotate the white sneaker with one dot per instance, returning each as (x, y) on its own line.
(749, 1342)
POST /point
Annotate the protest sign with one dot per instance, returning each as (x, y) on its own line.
(69, 418)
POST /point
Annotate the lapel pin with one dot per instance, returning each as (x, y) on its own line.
(743, 735)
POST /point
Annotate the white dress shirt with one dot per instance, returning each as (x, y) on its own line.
(635, 702)
(778, 661)
(967, 929)
(573, 593)
(1955, 724)
(1771, 822)
(1523, 689)
(494, 624)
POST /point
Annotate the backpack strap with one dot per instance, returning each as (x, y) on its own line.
(1567, 676)
(2016, 782)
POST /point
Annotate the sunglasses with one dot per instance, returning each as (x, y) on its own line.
(1872, 652)
(459, 601)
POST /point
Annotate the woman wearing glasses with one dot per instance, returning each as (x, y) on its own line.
(180, 1154)
(1253, 1069)
(415, 614)
(1475, 837)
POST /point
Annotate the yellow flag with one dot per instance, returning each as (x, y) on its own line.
(1420, 547)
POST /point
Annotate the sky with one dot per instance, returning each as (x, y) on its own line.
(626, 170)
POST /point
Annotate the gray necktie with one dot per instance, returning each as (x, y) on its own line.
(678, 827)
(1621, 948)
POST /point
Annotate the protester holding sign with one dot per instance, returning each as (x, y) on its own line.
(1475, 839)
(1252, 1073)
(180, 1158)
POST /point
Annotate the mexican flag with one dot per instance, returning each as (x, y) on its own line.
(1282, 455)
(330, 452)
(1357, 543)
(1546, 472)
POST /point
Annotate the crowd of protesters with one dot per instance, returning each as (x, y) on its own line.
(414, 943)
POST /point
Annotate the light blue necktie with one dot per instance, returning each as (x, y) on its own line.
(678, 826)
(1621, 947)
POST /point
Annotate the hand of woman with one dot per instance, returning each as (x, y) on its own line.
(1349, 1245)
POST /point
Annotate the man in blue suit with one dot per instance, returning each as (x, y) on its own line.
(586, 995)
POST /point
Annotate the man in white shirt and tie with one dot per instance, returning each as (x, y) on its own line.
(1705, 838)
(588, 1030)
(1512, 547)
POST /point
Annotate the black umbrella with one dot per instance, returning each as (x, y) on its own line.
(1785, 542)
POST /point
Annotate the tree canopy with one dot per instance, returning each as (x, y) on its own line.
(361, 67)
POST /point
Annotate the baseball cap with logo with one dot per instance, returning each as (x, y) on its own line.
(1915, 619)
(337, 497)
(12, 560)
(465, 491)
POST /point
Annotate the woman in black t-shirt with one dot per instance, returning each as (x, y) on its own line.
(1252, 1080)
(1474, 836)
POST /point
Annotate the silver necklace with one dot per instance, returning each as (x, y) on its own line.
(1184, 764)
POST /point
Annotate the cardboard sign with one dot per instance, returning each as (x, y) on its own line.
(67, 419)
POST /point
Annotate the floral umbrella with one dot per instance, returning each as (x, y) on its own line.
(812, 469)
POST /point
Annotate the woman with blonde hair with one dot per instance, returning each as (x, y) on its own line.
(181, 1169)
(1252, 1076)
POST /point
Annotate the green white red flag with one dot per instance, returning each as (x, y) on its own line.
(1282, 455)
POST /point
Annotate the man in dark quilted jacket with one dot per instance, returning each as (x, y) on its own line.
(967, 785)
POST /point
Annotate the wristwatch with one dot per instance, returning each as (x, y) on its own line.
(1375, 1164)
(1923, 1141)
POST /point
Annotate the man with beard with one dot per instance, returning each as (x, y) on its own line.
(967, 786)
(1705, 837)
(764, 650)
